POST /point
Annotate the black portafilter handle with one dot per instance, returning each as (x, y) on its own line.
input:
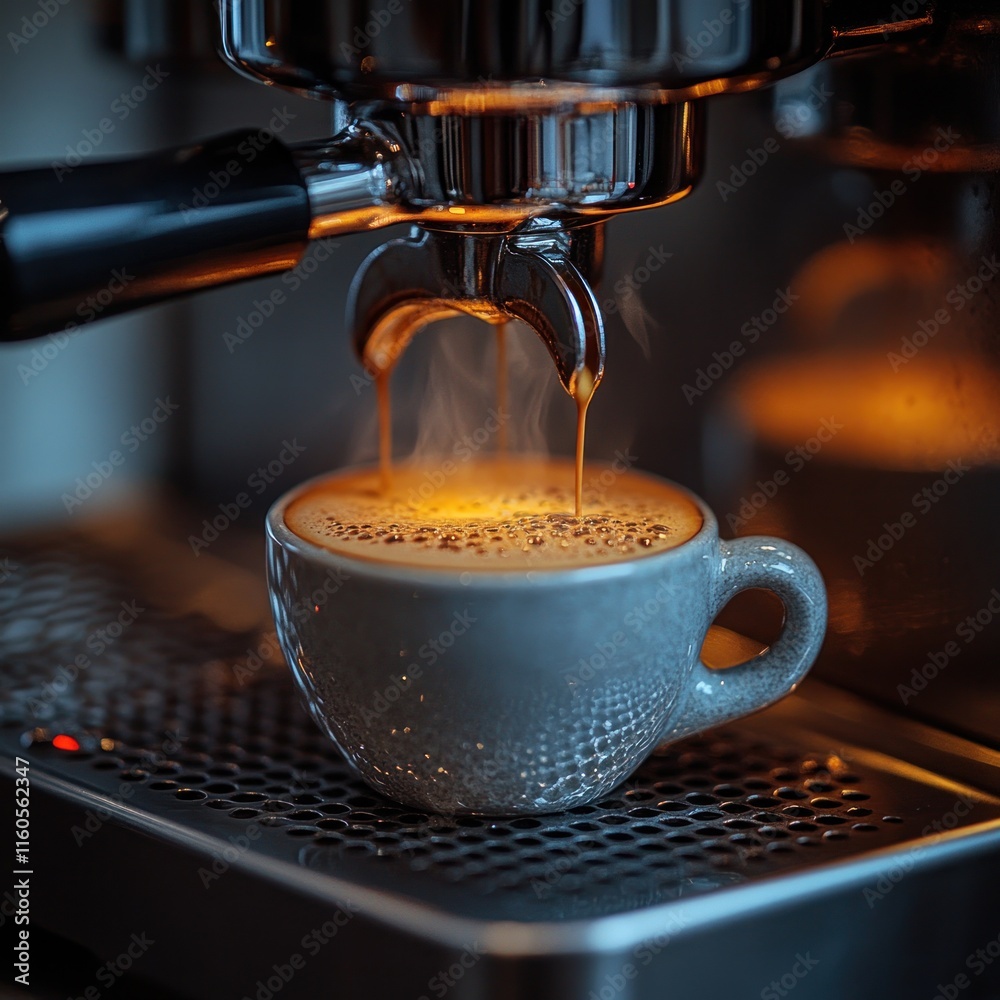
(82, 243)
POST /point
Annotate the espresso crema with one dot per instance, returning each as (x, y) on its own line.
(511, 513)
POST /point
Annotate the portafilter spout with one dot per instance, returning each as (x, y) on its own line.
(540, 273)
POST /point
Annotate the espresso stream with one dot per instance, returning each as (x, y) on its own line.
(501, 512)
(494, 514)
(582, 391)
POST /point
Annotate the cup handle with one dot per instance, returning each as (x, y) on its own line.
(716, 696)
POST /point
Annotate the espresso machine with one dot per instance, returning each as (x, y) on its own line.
(195, 835)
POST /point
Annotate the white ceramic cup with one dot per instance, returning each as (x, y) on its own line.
(527, 691)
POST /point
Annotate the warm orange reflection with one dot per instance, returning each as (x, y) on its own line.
(839, 275)
(934, 409)
(724, 648)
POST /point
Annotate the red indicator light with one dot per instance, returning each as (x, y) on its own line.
(64, 742)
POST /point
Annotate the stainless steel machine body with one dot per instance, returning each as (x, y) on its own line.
(178, 789)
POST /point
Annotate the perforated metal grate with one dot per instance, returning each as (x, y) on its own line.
(162, 709)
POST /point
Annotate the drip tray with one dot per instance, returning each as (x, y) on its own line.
(179, 791)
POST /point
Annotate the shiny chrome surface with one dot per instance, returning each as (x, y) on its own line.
(444, 53)
(499, 171)
(354, 181)
(580, 161)
(539, 274)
